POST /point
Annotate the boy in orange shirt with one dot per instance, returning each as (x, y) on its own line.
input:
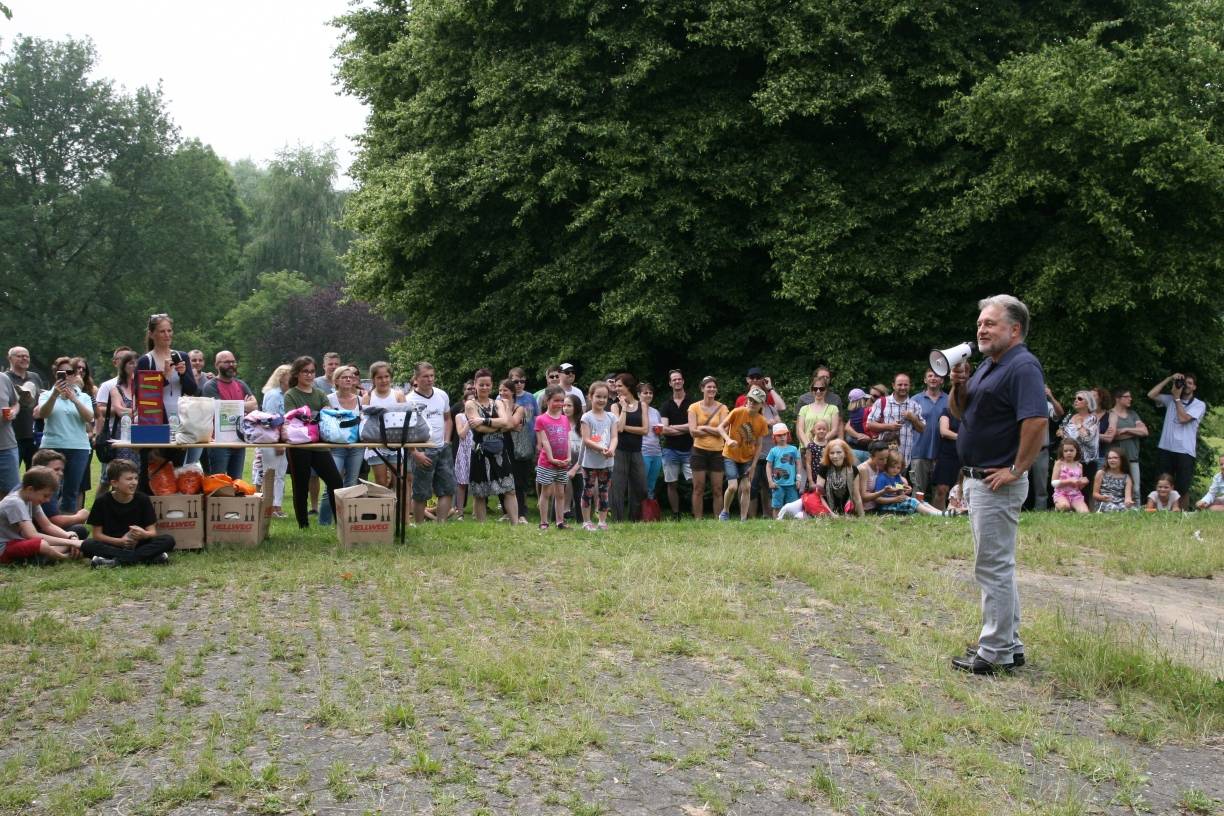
(742, 432)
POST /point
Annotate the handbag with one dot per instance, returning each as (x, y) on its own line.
(301, 426)
(384, 425)
(491, 444)
(651, 511)
(260, 427)
(102, 446)
(339, 426)
(418, 426)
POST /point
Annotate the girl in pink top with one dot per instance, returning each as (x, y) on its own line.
(552, 430)
(1068, 480)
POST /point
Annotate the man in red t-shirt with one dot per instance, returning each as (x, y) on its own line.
(227, 386)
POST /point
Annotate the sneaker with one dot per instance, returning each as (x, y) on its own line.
(162, 558)
(279, 514)
(588, 526)
(313, 513)
(561, 525)
(724, 516)
(544, 526)
(504, 518)
(603, 525)
(99, 562)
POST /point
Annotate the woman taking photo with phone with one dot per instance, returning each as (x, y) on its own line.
(67, 414)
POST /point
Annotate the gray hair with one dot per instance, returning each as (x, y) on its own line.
(1089, 399)
(1015, 311)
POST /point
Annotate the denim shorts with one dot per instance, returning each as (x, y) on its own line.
(783, 494)
(736, 470)
(438, 480)
(676, 463)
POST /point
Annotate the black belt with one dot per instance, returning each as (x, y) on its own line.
(975, 473)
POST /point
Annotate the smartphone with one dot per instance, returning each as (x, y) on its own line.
(61, 375)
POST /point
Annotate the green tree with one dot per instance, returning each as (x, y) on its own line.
(296, 209)
(246, 324)
(717, 183)
(105, 216)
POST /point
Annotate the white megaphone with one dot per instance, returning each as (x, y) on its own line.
(944, 361)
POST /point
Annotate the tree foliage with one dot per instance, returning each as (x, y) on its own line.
(713, 183)
(105, 214)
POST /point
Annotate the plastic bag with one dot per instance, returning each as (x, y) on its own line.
(339, 425)
(190, 479)
(195, 416)
(301, 427)
(244, 488)
(215, 481)
(813, 504)
(161, 479)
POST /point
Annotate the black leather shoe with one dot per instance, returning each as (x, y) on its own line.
(976, 665)
(1017, 659)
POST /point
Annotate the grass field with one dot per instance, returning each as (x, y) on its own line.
(689, 668)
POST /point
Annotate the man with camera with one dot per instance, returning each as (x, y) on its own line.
(1179, 436)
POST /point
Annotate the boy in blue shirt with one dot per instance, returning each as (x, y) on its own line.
(781, 465)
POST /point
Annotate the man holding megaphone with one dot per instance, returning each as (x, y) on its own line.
(1002, 429)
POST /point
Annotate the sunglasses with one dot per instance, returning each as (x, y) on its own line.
(65, 371)
(818, 390)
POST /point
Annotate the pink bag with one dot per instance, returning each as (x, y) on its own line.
(301, 428)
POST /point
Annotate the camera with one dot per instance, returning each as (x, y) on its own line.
(175, 357)
(1179, 382)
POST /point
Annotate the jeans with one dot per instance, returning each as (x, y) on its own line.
(654, 466)
(1039, 476)
(348, 462)
(994, 518)
(192, 455)
(231, 461)
(628, 485)
(75, 464)
(9, 477)
(27, 448)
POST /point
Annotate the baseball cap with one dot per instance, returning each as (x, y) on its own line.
(780, 428)
(756, 395)
(755, 371)
(566, 367)
(857, 394)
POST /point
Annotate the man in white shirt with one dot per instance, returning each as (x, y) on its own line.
(433, 468)
(1179, 436)
(897, 412)
(568, 373)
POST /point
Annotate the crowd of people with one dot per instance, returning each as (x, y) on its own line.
(610, 451)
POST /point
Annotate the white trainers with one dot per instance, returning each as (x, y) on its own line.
(98, 561)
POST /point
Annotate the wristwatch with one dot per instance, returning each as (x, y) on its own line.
(1012, 471)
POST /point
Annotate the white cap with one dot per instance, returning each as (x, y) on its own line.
(780, 428)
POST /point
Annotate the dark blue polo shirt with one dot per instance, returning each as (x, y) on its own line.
(1001, 395)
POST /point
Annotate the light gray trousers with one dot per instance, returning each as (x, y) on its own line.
(994, 517)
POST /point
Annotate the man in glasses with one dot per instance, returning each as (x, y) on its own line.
(553, 377)
(226, 386)
(27, 385)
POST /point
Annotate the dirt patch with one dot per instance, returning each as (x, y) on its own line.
(1183, 616)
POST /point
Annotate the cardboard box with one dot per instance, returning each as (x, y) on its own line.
(182, 517)
(233, 519)
(151, 434)
(365, 514)
(227, 414)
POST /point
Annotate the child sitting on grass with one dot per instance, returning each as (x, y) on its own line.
(1213, 499)
(1111, 488)
(781, 466)
(25, 531)
(894, 491)
(1164, 497)
(124, 524)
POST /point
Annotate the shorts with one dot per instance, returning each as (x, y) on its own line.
(783, 495)
(17, 550)
(675, 462)
(438, 480)
(549, 475)
(706, 461)
(735, 471)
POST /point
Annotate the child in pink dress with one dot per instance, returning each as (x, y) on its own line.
(1068, 479)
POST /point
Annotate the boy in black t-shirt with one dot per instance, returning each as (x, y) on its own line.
(124, 524)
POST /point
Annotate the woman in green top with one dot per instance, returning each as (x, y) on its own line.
(303, 460)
